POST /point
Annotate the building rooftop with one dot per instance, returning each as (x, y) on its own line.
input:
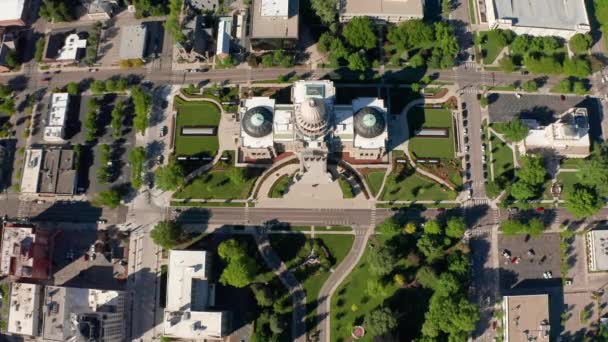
(25, 252)
(597, 247)
(370, 123)
(49, 171)
(564, 14)
(264, 138)
(11, 9)
(24, 313)
(190, 295)
(73, 48)
(65, 307)
(274, 26)
(568, 136)
(381, 8)
(59, 108)
(526, 318)
(133, 40)
(224, 29)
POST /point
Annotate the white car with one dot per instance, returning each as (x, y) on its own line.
(466, 131)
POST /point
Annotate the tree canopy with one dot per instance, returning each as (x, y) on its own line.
(533, 227)
(326, 10)
(455, 227)
(167, 234)
(108, 198)
(380, 321)
(239, 272)
(231, 250)
(381, 261)
(515, 130)
(580, 43)
(583, 202)
(169, 177)
(360, 33)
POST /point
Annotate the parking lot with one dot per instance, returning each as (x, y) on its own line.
(537, 255)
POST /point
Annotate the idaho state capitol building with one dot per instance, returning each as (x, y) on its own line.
(313, 126)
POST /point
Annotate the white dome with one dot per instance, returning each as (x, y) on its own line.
(312, 117)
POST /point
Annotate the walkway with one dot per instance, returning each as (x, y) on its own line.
(338, 276)
(298, 326)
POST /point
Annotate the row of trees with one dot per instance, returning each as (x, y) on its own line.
(90, 120)
(142, 103)
(588, 195)
(110, 85)
(7, 102)
(349, 48)
(58, 10)
(172, 24)
(137, 158)
(571, 85)
(118, 114)
(104, 172)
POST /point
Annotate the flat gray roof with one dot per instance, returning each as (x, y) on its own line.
(598, 248)
(274, 26)
(57, 172)
(133, 41)
(558, 14)
(382, 7)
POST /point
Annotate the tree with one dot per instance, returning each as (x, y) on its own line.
(172, 23)
(231, 250)
(411, 33)
(326, 10)
(506, 64)
(5, 91)
(430, 247)
(73, 88)
(357, 62)
(522, 190)
(532, 170)
(167, 234)
(39, 54)
(579, 87)
(109, 198)
(381, 261)
(276, 324)
(426, 277)
(452, 315)
(458, 263)
(169, 177)
(236, 175)
(12, 59)
(520, 45)
(98, 87)
(117, 117)
(432, 227)
(583, 202)
(360, 33)
(390, 226)
(530, 86)
(239, 272)
(483, 101)
(542, 64)
(141, 102)
(137, 157)
(263, 295)
(7, 105)
(577, 66)
(445, 8)
(55, 10)
(380, 321)
(563, 86)
(324, 42)
(580, 43)
(593, 172)
(399, 279)
(416, 61)
(455, 227)
(515, 130)
(410, 228)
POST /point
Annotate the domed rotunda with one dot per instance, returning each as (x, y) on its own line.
(257, 122)
(312, 118)
(369, 122)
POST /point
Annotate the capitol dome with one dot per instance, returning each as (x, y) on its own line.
(257, 122)
(312, 119)
(369, 122)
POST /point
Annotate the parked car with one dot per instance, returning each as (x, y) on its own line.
(506, 253)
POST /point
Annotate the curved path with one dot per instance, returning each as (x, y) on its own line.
(335, 279)
(298, 326)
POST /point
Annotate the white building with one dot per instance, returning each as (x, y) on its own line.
(49, 171)
(12, 12)
(24, 309)
(597, 250)
(568, 136)
(223, 36)
(57, 116)
(563, 18)
(313, 123)
(189, 296)
(389, 11)
(74, 314)
(69, 51)
(526, 318)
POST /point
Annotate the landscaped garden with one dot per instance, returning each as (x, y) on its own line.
(221, 182)
(410, 284)
(373, 178)
(193, 114)
(431, 147)
(294, 249)
(280, 187)
(403, 184)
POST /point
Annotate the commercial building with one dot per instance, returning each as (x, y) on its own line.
(597, 250)
(56, 118)
(187, 314)
(13, 13)
(568, 136)
(66, 46)
(74, 314)
(7, 47)
(133, 42)
(563, 18)
(526, 318)
(26, 252)
(313, 125)
(224, 30)
(274, 24)
(387, 11)
(24, 309)
(101, 9)
(51, 170)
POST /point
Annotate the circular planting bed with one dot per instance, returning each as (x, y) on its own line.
(358, 332)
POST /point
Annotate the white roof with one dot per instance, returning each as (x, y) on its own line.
(275, 8)
(189, 296)
(56, 118)
(70, 49)
(283, 127)
(343, 118)
(31, 171)
(253, 142)
(597, 240)
(303, 90)
(376, 142)
(24, 312)
(11, 9)
(132, 41)
(565, 135)
(550, 14)
(223, 36)
(11, 237)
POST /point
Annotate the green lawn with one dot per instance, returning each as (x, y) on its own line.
(402, 187)
(217, 185)
(289, 246)
(568, 180)
(472, 13)
(424, 147)
(573, 163)
(347, 189)
(196, 114)
(490, 47)
(503, 159)
(280, 187)
(374, 180)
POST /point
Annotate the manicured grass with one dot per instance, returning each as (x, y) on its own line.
(280, 187)
(217, 185)
(424, 147)
(568, 180)
(472, 12)
(573, 163)
(503, 159)
(347, 189)
(402, 187)
(490, 47)
(196, 114)
(207, 204)
(374, 180)
(334, 228)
